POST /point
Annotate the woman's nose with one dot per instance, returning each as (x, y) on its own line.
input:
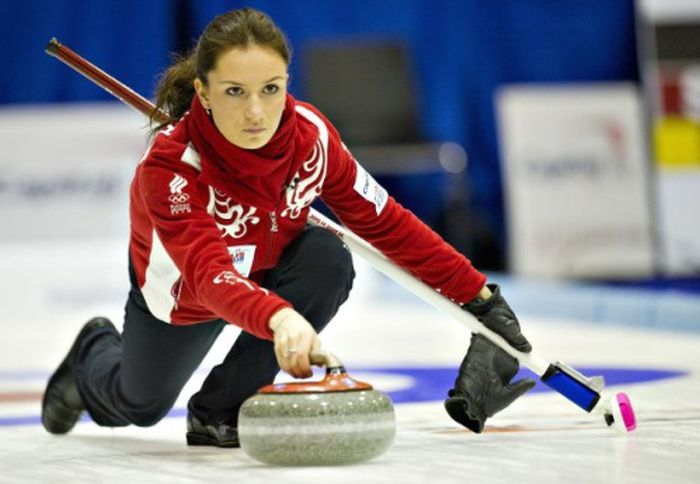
(254, 111)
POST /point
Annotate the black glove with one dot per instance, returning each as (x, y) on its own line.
(495, 314)
(483, 385)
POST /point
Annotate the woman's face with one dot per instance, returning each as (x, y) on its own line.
(246, 94)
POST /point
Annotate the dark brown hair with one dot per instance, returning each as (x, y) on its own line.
(237, 28)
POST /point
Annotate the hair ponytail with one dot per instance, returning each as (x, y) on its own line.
(175, 89)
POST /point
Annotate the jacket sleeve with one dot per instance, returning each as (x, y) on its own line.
(192, 240)
(366, 208)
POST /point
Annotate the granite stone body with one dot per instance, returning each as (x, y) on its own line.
(329, 428)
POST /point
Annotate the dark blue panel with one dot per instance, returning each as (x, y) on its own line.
(311, 20)
(130, 39)
(463, 51)
(544, 41)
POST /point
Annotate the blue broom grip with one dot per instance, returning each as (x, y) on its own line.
(568, 386)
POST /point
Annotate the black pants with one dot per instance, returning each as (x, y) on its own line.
(135, 378)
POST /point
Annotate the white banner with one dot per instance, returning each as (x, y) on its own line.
(65, 171)
(576, 181)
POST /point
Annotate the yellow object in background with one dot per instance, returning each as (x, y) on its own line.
(677, 142)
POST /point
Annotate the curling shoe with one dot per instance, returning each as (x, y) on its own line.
(62, 405)
(217, 434)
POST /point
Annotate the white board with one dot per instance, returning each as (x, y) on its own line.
(576, 181)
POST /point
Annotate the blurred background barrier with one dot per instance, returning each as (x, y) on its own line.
(669, 47)
(419, 107)
(65, 171)
(577, 181)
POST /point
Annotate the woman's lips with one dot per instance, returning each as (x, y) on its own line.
(254, 130)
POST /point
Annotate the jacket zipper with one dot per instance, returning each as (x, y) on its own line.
(274, 229)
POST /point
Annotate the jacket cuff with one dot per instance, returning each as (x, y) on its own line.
(476, 281)
(262, 330)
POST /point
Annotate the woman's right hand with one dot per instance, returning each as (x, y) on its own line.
(295, 338)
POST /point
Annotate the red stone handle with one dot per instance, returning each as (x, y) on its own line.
(336, 379)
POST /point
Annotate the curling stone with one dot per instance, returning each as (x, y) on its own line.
(337, 420)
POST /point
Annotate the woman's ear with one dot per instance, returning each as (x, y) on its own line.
(202, 93)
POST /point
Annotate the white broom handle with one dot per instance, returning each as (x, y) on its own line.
(360, 247)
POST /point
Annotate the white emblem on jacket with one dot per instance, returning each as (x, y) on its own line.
(220, 205)
(178, 199)
(369, 189)
(242, 257)
(302, 192)
(229, 277)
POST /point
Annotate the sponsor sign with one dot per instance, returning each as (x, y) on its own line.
(576, 181)
(65, 171)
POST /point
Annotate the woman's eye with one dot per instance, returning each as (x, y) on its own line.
(271, 89)
(234, 91)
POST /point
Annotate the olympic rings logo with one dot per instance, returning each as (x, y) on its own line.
(179, 197)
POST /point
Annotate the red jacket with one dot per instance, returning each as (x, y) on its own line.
(199, 253)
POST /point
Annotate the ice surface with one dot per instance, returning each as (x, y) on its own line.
(49, 291)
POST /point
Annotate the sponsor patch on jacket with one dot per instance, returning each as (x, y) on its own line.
(369, 189)
(242, 258)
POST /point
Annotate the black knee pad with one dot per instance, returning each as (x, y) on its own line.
(148, 417)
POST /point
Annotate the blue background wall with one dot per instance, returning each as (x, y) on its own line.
(462, 51)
